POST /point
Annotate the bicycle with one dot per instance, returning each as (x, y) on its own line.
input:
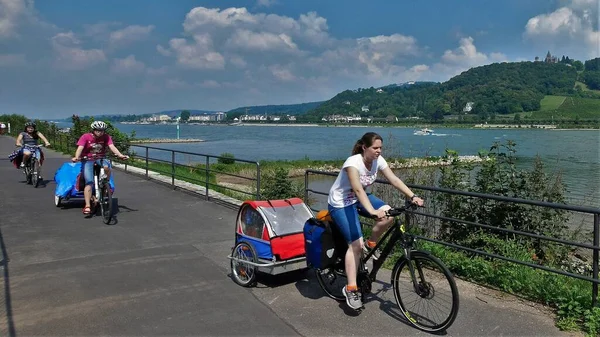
(102, 191)
(418, 272)
(31, 168)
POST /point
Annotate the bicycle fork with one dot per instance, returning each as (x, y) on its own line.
(97, 183)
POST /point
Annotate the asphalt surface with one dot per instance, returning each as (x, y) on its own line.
(161, 269)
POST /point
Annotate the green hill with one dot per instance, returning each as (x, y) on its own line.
(286, 109)
(500, 88)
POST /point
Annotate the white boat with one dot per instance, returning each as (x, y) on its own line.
(423, 132)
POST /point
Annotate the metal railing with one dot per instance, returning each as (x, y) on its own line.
(200, 170)
(593, 213)
(170, 163)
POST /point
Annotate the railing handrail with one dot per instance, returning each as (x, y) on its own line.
(582, 209)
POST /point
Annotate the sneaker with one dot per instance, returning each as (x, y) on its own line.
(352, 298)
(376, 253)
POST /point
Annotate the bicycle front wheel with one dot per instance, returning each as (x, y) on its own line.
(430, 303)
(106, 203)
(35, 176)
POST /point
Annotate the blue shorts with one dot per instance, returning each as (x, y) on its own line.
(346, 218)
(87, 167)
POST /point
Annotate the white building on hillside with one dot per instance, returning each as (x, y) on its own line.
(468, 107)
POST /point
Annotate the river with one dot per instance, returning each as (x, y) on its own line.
(574, 153)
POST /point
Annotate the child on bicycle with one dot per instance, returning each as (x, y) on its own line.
(28, 138)
(347, 199)
(91, 149)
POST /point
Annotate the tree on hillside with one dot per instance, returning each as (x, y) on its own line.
(185, 115)
(592, 79)
(578, 65)
(593, 64)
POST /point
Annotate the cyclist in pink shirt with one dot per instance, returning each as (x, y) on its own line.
(91, 149)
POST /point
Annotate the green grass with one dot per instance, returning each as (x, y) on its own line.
(584, 87)
(572, 108)
(550, 102)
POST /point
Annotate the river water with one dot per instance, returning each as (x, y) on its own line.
(574, 153)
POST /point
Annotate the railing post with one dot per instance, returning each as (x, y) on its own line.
(306, 186)
(258, 181)
(173, 168)
(595, 266)
(207, 175)
(146, 162)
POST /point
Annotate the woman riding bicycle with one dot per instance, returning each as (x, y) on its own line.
(91, 149)
(347, 198)
(27, 140)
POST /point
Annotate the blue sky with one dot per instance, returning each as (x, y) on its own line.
(63, 57)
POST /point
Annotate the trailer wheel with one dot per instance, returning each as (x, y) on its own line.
(243, 273)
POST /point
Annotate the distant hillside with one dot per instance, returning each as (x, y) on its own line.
(501, 88)
(286, 109)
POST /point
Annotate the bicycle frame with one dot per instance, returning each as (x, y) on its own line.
(397, 231)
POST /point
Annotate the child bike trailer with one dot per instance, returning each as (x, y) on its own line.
(70, 183)
(269, 239)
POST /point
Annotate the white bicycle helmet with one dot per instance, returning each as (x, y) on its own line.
(99, 125)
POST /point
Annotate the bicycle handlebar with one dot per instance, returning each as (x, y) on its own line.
(125, 157)
(395, 211)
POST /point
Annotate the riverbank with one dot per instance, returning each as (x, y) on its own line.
(167, 140)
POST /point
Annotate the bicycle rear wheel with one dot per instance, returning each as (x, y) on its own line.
(332, 280)
(106, 203)
(432, 305)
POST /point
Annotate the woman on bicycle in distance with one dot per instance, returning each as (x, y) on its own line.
(91, 148)
(30, 136)
(347, 198)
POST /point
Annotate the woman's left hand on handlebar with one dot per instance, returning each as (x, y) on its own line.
(417, 201)
(124, 157)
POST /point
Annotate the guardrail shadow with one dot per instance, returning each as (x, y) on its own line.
(10, 326)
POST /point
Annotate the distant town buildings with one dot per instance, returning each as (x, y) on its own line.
(265, 117)
(215, 117)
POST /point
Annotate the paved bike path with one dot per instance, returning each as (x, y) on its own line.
(162, 270)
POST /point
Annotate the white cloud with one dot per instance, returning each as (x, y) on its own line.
(237, 61)
(127, 66)
(130, 34)
(11, 12)
(12, 60)
(200, 17)
(563, 20)
(282, 73)
(210, 84)
(157, 71)
(197, 55)
(163, 51)
(460, 59)
(573, 28)
(175, 83)
(465, 54)
(266, 3)
(70, 56)
(262, 41)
